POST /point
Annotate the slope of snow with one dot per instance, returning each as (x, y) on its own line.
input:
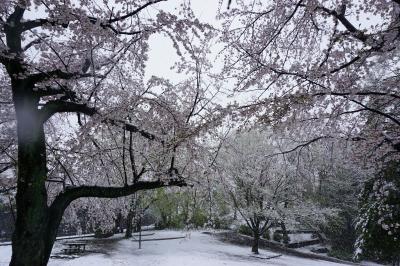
(196, 249)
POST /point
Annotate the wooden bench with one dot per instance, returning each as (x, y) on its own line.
(69, 251)
(74, 247)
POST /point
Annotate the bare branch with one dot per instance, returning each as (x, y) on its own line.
(396, 121)
(30, 44)
(304, 144)
(345, 22)
(134, 12)
(5, 190)
(5, 168)
(283, 26)
(361, 93)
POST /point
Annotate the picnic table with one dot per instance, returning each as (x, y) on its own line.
(75, 247)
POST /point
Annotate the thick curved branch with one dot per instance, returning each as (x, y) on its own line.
(59, 74)
(58, 106)
(53, 91)
(31, 24)
(71, 194)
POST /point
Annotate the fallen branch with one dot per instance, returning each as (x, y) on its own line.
(267, 258)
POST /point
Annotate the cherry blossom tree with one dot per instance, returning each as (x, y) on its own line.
(308, 60)
(264, 189)
(329, 68)
(80, 65)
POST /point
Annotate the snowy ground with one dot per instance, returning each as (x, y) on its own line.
(196, 249)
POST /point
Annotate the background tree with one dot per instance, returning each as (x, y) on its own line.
(328, 67)
(264, 189)
(333, 180)
(321, 61)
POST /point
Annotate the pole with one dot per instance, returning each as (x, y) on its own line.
(140, 231)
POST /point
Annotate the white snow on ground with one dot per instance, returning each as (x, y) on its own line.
(196, 249)
(5, 255)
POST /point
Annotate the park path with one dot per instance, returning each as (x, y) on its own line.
(196, 249)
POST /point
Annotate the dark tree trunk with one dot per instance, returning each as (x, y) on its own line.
(33, 236)
(256, 240)
(136, 226)
(129, 226)
(285, 235)
(118, 227)
(396, 260)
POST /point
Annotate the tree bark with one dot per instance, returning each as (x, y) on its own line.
(129, 227)
(285, 235)
(118, 227)
(33, 236)
(256, 240)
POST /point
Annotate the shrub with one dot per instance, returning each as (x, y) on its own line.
(341, 254)
(277, 236)
(285, 239)
(221, 223)
(99, 233)
(245, 230)
(340, 232)
(267, 235)
(199, 218)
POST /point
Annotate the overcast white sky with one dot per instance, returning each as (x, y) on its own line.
(162, 55)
